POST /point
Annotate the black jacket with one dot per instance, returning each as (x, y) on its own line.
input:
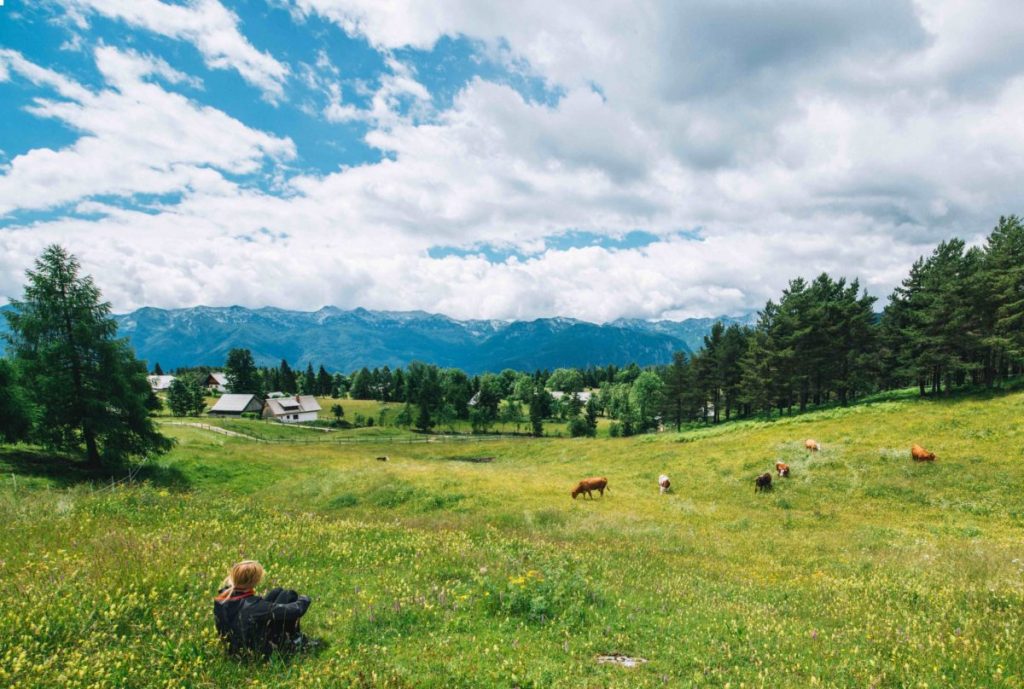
(260, 624)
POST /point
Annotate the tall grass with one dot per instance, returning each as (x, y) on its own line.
(863, 569)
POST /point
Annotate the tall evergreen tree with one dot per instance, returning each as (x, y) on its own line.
(288, 382)
(1004, 282)
(540, 405)
(679, 398)
(323, 382)
(90, 391)
(424, 393)
(240, 369)
(361, 385)
(308, 385)
(398, 381)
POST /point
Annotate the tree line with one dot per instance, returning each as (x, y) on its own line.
(69, 383)
(957, 319)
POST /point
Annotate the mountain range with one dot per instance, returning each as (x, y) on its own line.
(346, 340)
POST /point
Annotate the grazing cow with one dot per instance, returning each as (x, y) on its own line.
(382, 458)
(590, 484)
(763, 482)
(663, 483)
(812, 445)
(921, 455)
(782, 468)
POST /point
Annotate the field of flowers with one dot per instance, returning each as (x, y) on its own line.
(862, 570)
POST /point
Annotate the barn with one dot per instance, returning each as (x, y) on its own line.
(236, 405)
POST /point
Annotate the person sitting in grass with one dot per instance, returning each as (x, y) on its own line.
(248, 622)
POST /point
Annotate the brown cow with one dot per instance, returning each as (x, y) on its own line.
(812, 445)
(782, 468)
(587, 485)
(382, 458)
(763, 482)
(921, 455)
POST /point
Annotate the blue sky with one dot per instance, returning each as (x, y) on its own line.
(583, 159)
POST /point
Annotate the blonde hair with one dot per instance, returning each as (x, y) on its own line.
(243, 575)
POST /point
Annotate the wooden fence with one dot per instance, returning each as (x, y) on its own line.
(339, 439)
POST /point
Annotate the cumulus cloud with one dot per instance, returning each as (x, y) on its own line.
(138, 137)
(210, 26)
(797, 137)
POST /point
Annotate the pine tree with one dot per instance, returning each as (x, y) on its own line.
(309, 381)
(540, 402)
(361, 385)
(339, 385)
(89, 389)
(288, 383)
(240, 369)
(679, 394)
(398, 381)
(592, 410)
(1004, 284)
(323, 382)
(157, 371)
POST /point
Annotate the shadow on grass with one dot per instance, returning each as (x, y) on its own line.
(65, 470)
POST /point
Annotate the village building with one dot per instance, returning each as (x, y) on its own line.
(160, 383)
(236, 405)
(584, 395)
(217, 381)
(294, 409)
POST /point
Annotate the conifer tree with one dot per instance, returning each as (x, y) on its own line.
(240, 369)
(89, 390)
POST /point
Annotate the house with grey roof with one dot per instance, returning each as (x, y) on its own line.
(295, 409)
(236, 405)
(160, 383)
(218, 381)
(584, 395)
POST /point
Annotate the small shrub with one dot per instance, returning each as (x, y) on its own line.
(541, 596)
(343, 500)
(441, 501)
(391, 495)
(579, 428)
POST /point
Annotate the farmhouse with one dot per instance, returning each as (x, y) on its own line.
(236, 405)
(291, 409)
(584, 395)
(160, 383)
(218, 381)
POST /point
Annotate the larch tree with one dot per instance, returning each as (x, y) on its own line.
(89, 391)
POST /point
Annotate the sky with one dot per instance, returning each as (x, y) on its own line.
(501, 160)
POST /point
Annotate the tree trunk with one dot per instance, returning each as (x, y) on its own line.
(91, 450)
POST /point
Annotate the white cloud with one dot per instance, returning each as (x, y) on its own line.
(137, 137)
(209, 25)
(800, 137)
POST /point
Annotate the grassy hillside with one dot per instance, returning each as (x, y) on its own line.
(863, 569)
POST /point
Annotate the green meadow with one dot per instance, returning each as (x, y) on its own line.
(864, 569)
